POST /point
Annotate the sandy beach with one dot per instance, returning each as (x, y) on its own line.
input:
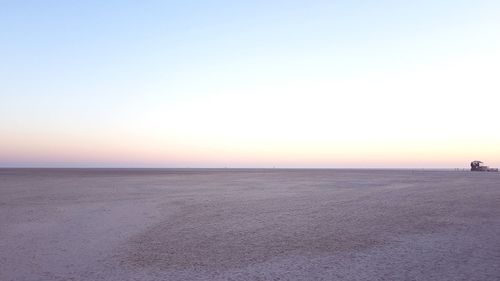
(189, 224)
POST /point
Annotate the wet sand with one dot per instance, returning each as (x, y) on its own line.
(146, 224)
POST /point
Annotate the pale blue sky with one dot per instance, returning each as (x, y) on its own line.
(159, 73)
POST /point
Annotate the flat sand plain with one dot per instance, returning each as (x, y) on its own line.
(126, 224)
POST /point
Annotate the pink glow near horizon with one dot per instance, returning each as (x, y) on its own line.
(291, 156)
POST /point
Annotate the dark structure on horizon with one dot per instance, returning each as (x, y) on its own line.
(476, 166)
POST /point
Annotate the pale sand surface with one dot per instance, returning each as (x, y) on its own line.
(249, 225)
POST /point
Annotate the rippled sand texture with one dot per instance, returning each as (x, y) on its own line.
(249, 225)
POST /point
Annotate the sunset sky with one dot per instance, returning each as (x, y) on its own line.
(339, 84)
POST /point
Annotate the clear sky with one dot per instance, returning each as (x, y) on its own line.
(249, 83)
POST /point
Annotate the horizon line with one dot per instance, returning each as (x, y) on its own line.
(234, 168)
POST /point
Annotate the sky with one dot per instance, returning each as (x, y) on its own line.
(301, 84)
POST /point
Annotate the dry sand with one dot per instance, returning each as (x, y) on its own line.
(249, 225)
